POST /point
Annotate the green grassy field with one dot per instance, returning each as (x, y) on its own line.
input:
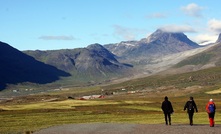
(35, 112)
(21, 118)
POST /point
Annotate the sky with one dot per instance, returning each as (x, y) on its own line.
(69, 24)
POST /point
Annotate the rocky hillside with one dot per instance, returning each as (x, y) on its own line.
(91, 63)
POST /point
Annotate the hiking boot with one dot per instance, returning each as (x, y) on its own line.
(191, 123)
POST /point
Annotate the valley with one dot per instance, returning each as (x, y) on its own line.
(127, 102)
(32, 115)
(106, 66)
(99, 86)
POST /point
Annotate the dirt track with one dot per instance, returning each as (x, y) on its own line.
(114, 128)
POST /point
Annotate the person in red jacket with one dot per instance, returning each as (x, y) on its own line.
(211, 109)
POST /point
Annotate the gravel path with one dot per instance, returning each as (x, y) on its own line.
(115, 128)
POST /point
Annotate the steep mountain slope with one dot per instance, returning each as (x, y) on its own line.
(91, 63)
(168, 61)
(158, 44)
(205, 59)
(211, 57)
(17, 67)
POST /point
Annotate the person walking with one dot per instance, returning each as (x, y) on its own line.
(167, 110)
(211, 109)
(190, 106)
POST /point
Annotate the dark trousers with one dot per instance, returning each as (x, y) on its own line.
(190, 117)
(167, 117)
(211, 115)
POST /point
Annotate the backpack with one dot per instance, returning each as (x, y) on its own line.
(211, 108)
(191, 107)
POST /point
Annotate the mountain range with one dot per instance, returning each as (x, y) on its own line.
(93, 63)
(98, 63)
(158, 44)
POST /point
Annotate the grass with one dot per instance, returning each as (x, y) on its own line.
(217, 91)
(206, 77)
(202, 58)
(23, 115)
(20, 118)
(34, 121)
(67, 104)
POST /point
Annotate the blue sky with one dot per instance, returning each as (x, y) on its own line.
(62, 24)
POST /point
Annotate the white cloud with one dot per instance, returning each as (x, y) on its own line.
(204, 38)
(192, 10)
(127, 33)
(209, 34)
(177, 28)
(49, 37)
(214, 25)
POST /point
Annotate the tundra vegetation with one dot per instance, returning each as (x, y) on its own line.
(29, 113)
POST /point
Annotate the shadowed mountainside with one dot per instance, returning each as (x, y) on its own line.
(17, 67)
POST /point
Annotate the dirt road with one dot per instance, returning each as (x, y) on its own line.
(114, 128)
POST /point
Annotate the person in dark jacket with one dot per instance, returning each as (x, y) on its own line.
(190, 106)
(167, 110)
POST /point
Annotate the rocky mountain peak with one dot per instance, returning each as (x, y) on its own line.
(164, 36)
(159, 43)
(95, 46)
(102, 51)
